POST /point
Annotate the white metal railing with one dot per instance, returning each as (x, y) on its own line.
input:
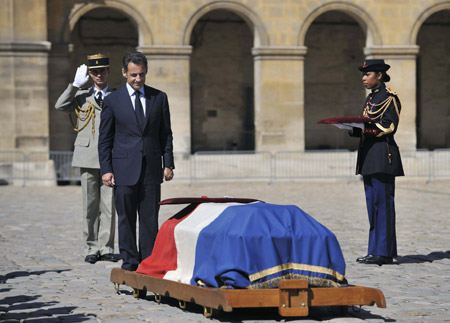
(314, 164)
(243, 165)
(50, 168)
(12, 166)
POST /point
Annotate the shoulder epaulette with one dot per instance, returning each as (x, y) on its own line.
(391, 92)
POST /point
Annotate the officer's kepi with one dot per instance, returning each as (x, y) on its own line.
(98, 61)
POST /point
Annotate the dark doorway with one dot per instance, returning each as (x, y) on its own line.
(101, 30)
(221, 77)
(104, 31)
(433, 83)
(333, 84)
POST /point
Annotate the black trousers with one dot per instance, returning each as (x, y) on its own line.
(140, 199)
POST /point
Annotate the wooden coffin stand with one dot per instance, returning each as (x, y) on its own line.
(293, 297)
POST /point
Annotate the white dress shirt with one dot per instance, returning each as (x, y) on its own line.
(103, 92)
(131, 92)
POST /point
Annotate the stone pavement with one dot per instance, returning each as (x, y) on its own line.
(43, 277)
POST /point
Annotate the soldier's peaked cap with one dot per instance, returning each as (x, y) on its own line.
(98, 61)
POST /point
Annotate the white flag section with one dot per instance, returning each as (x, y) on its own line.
(186, 235)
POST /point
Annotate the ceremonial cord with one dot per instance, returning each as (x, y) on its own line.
(84, 115)
(384, 106)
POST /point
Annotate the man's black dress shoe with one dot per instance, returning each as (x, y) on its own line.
(361, 259)
(109, 257)
(92, 259)
(376, 260)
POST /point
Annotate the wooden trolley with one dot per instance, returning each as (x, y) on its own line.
(292, 297)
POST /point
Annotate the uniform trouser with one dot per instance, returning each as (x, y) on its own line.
(98, 213)
(141, 198)
(380, 189)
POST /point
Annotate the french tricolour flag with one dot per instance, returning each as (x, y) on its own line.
(245, 245)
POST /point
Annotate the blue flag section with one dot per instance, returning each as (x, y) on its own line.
(257, 245)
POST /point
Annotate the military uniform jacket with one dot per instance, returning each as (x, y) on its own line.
(378, 152)
(87, 111)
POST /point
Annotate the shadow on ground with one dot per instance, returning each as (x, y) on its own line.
(25, 307)
(418, 259)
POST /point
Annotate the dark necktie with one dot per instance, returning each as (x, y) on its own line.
(99, 99)
(139, 109)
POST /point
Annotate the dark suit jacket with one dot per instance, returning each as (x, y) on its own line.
(122, 143)
(378, 152)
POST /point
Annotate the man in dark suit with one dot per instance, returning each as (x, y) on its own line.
(135, 152)
(379, 161)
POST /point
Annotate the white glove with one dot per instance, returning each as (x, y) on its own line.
(344, 126)
(359, 125)
(349, 126)
(81, 76)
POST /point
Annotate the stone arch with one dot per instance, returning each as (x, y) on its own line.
(65, 58)
(431, 35)
(145, 35)
(423, 17)
(222, 108)
(366, 22)
(260, 35)
(335, 42)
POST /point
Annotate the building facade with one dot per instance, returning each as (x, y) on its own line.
(240, 74)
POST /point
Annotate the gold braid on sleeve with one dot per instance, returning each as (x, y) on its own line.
(84, 115)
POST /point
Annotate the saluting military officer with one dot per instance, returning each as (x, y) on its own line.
(379, 161)
(98, 205)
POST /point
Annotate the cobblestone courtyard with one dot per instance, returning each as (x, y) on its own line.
(43, 276)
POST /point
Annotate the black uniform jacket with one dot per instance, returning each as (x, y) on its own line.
(378, 151)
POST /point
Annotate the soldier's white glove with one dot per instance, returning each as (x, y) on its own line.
(81, 76)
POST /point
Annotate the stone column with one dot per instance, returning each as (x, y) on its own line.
(23, 65)
(279, 98)
(24, 95)
(60, 75)
(168, 71)
(403, 81)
